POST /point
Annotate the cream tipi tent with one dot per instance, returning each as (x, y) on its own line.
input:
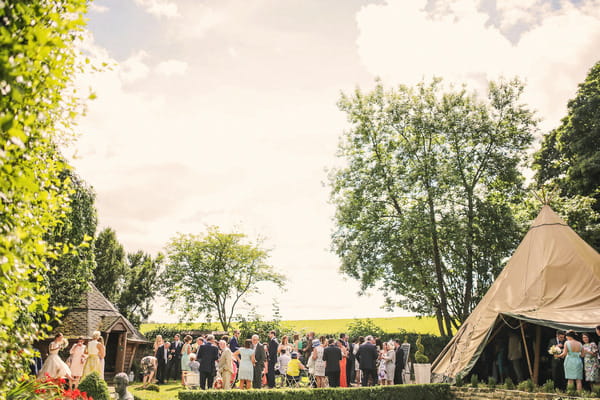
(552, 279)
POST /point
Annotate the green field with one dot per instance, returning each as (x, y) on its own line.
(326, 326)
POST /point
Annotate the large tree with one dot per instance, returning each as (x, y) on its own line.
(141, 285)
(37, 62)
(210, 274)
(110, 272)
(570, 154)
(424, 203)
(72, 268)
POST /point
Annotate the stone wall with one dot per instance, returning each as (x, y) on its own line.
(467, 393)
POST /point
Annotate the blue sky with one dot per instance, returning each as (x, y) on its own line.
(224, 112)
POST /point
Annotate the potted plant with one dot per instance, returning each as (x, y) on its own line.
(422, 366)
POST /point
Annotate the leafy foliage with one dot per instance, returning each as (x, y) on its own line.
(109, 275)
(570, 158)
(212, 273)
(72, 268)
(37, 62)
(420, 356)
(364, 327)
(395, 392)
(95, 387)
(424, 204)
(141, 283)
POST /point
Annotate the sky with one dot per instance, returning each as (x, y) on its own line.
(223, 112)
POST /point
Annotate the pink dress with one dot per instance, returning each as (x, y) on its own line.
(77, 359)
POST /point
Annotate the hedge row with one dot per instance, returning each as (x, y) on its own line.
(397, 392)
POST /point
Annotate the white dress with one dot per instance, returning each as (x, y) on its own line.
(54, 365)
(319, 362)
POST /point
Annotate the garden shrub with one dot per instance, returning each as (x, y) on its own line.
(526, 386)
(95, 387)
(396, 392)
(548, 387)
(491, 382)
(458, 382)
(508, 384)
(474, 380)
(571, 391)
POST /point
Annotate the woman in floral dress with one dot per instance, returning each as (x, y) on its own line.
(589, 352)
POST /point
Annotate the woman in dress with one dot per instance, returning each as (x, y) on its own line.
(101, 355)
(573, 364)
(589, 352)
(389, 359)
(357, 372)
(77, 362)
(297, 346)
(54, 366)
(149, 365)
(245, 357)
(93, 362)
(186, 350)
(343, 361)
(158, 342)
(317, 356)
(285, 344)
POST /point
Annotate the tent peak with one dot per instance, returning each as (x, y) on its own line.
(547, 216)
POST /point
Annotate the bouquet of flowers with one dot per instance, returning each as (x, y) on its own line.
(554, 350)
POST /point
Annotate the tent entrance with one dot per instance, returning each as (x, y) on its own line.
(517, 347)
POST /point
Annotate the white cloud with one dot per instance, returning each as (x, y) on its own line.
(134, 69)
(401, 41)
(172, 67)
(160, 8)
(98, 8)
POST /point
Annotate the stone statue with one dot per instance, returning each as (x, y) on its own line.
(121, 382)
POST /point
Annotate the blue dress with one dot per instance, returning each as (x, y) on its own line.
(573, 364)
(246, 369)
(185, 358)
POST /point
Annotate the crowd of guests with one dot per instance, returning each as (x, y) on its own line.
(575, 358)
(233, 362)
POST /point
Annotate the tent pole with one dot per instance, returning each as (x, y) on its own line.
(536, 360)
(526, 350)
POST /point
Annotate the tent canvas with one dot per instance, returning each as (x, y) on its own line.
(552, 279)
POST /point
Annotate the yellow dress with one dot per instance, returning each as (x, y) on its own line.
(93, 362)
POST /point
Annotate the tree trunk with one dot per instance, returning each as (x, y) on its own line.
(468, 294)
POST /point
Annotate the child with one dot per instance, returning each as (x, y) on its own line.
(194, 365)
(283, 360)
(292, 375)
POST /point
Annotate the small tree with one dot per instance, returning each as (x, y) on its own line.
(364, 327)
(212, 273)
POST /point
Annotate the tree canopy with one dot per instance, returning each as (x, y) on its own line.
(37, 62)
(424, 203)
(212, 273)
(109, 275)
(570, 154)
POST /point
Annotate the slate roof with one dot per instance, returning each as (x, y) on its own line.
(95, 313)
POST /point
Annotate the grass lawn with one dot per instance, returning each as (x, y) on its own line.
(167, 392)
(327, 326)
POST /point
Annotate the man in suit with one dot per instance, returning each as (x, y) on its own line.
(163, 354)
(332, 355)
(367, 357)
(234, 342)
(176, 347)
(558, 370)
(398, 380)
(209, 354)
(349, 359)
(308, 348)
(225, 365)
(260, 357)
(272, 357)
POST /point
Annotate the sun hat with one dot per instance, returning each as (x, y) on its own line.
(316, 343)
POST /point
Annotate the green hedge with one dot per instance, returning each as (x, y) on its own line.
(397, 392)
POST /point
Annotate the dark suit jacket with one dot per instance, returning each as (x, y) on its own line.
(260, 355)
(176, 350)
(160, 355)
(367, 356)
(234, 344)
(399, 358)
(332, 355)
(208, 355)
(273, 347)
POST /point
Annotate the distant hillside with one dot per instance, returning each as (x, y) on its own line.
(324, 326)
